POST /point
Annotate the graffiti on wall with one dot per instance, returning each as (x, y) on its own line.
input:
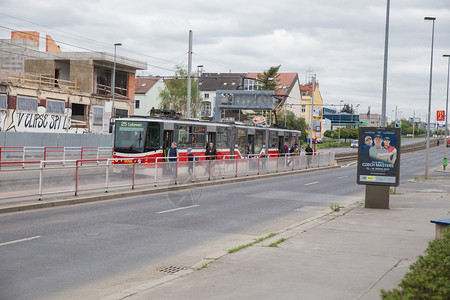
(22, 121)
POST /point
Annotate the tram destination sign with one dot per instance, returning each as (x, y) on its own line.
(379, 156)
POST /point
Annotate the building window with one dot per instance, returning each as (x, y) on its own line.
(25, 103)
(252, 85)
(303, 108)
(3, 102)
(206, 108)
(206, 96)
(55, 107)
(121, 113)
(137, 104)
(97, 115)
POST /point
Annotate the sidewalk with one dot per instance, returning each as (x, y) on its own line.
(350, 254)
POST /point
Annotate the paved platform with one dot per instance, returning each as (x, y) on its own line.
(350, 254)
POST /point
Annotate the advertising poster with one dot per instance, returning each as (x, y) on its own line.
(379, 156)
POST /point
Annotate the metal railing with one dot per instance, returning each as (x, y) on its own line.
(40, 178)
(24, 154)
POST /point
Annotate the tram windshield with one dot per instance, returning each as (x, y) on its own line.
(136, 136)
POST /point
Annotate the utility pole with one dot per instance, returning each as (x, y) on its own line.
(188, 108)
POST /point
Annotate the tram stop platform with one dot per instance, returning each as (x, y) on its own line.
(350, 254)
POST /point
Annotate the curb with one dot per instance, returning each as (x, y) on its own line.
(146, 191)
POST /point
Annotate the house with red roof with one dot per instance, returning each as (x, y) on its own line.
(147, 94)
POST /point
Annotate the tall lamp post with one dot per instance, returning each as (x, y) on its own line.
(429, 96)
(113, 90)
(199, 73)
(446, 106)
(339, 139)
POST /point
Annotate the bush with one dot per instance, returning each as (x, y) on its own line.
(429, 276)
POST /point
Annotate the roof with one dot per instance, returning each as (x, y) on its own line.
(144, 84)
(221, 81)
(286, 82)
(307, 88)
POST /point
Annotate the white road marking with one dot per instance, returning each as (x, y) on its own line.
(342, 177)
(311, 183)
(21, 240)
(175, 209)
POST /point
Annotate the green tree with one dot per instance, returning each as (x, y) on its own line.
(174, 94)
(330, 134)
(269, 78)
(293, 122)
(347, 108)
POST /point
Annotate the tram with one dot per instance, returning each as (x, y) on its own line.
(146, 139)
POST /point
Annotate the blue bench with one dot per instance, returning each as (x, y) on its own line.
(441, 225)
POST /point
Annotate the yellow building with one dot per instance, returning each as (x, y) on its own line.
(306, 109)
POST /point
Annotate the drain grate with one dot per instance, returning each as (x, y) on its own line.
(171, 269)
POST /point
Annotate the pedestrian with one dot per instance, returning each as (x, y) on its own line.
(211, 152)
(191, 158)
(309, 151)
(293, 152)
(173, 156)
(211, 155)
(284, 149)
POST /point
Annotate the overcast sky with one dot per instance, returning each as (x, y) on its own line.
(342, 42)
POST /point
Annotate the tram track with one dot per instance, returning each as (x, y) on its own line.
(350, 156)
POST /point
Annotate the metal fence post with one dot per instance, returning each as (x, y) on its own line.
(41, 171)
(156, 171)
(76, 178)
(107, 175)
(134, 174)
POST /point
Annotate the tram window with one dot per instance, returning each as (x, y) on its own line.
(241, 140)
(184, 136)
(222, 138)
(198, 136)
(152, 140)
(258, 141)
(289, 139)
(273, 140)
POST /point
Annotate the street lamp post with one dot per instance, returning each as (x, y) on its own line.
(429, 96)
(113, 90)
(199, 72)
(339, 138)
(446, 105)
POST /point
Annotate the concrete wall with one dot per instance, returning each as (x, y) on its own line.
(40, 67)
(27, 139)
(82, 71)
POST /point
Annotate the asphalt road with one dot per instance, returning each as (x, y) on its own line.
(51, 253)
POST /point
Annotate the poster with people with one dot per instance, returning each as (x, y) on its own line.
(379, 156)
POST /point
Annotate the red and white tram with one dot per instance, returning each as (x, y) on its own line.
(144, 139)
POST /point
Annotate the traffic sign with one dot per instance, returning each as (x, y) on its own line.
(398, 124)
(440, 115)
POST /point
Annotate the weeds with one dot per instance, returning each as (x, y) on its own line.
(275, 244)
(205, 265)
(235, 249)
(335, 207)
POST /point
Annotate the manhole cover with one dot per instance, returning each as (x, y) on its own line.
(171, 269)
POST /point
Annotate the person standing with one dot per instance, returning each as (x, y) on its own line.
(173, 155)
(191, 158)
(309, 152)
(211, 152)
(284, 150)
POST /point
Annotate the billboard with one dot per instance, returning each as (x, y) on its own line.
(379, 156)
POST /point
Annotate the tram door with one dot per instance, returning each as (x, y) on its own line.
(250, 147)
(167, 141)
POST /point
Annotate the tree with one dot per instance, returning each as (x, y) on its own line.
(174, 94)
(347, 108)
(269, 78)
(293, 122)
